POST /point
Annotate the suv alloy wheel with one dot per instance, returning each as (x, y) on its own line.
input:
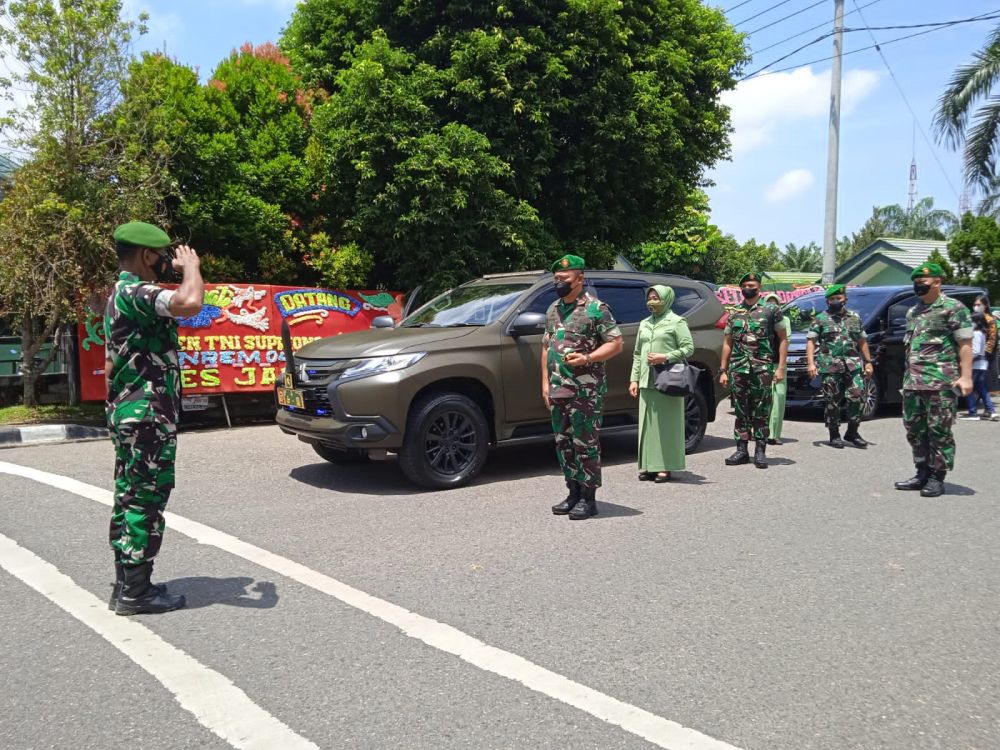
(872, 397)
(447, 439)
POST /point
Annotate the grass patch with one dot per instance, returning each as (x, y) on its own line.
(82, 414)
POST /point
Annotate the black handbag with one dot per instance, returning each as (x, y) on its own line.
(680, 379)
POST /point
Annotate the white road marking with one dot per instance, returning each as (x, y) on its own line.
(215, 702)
(657, 730)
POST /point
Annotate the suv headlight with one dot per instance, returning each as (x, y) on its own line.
(363, 368)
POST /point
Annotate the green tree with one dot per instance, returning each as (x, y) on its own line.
(923, 223)
(804, 258)
(462, 138)
(685, 248)
(729, 260)
(975, 251)
(968, 113)
(57, 219)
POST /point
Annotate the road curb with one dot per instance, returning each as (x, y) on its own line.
(36, 434)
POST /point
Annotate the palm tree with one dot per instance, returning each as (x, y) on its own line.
(924, 222)
(968, 113)
(802, 258)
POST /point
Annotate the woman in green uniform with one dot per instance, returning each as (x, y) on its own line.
(663, 338)
(779, 391)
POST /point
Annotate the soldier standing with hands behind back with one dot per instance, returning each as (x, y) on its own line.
(748, 358)
(840, 337)
(938, 368)
(580, 336)
(143, 377)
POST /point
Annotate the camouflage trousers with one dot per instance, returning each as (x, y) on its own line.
(841, 387)
(576, 424)
(751, 395)
(144, 477)
(928, 417)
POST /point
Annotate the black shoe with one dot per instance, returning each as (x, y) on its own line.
(774, 441)
(917, 481)
(661, 478)
(760, 455)
(646, 476)
(140, 597)
(852, 436)
(934, 486)
(116, 591)
(561, 509)
(587, 506)
(741, 456)
(835, 441)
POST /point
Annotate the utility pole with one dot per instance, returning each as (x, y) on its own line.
(833, 153)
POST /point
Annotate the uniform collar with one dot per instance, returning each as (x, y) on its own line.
(128, 276)
(756, 301)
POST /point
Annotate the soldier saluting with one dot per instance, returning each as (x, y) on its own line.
(748, 359)
(938, 367)
(143, 377)
(839, 335)
(580, 335)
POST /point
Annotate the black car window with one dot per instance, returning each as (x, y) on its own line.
(541, 302)
(685, 300)
(898, 310)
(627, 303)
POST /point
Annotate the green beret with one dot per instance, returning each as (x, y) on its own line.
(141, 234)
(569, 263)
(752, 276)
(835, 289)
(928, 269)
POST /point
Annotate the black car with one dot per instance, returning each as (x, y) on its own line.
(883, 311)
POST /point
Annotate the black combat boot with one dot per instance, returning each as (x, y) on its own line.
(561, 509)
(587, 506)
(835, 441)
(741, 456)
(760, 455)
(852, 436)
(116, 589)
(140, 597)
(934, 487)
(916, 482)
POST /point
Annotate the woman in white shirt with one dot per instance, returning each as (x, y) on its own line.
(980, 368)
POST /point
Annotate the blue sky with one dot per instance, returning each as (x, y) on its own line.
(773, 189)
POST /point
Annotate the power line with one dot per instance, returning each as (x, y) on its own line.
(738, 5)
(899, 88)
(988, 16)
(806, 31)
(785, 18)
(763, 12)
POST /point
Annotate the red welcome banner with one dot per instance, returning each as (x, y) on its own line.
(234, 343)
(732, 295)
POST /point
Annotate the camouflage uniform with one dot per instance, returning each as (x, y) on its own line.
(933, 333)
(577, 394)
(142, 411)
(838, 338)
(751, 367)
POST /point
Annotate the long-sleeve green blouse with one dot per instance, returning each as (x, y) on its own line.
(667, 333)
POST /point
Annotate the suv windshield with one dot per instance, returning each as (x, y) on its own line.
(864, 302)
(476, 305)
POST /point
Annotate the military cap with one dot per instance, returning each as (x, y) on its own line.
(141, 234)
(569, 263)
(928, 269)
(752, 276)
(835, 289)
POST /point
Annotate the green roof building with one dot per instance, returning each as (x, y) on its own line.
(887, 261)
(7, 168)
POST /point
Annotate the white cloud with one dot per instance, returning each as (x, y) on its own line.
(789, 185)
(762, 104)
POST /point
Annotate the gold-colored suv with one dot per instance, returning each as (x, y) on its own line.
(461, 374)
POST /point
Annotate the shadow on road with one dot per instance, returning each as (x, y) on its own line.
(204, 591)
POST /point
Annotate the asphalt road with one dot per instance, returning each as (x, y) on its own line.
(806, 606)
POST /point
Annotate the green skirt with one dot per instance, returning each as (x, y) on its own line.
(661, 431)
(779, 392)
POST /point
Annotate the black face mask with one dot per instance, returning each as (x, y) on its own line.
(162, 267)
(750, 293)
(920, 288)
(835, 307)
(563, 288)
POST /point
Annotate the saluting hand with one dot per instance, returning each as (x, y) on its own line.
(185, 256)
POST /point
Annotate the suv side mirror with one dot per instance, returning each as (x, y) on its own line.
(383, 321)
(527, 324)
(897, 323)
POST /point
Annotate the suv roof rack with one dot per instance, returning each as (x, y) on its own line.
(511, 273)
